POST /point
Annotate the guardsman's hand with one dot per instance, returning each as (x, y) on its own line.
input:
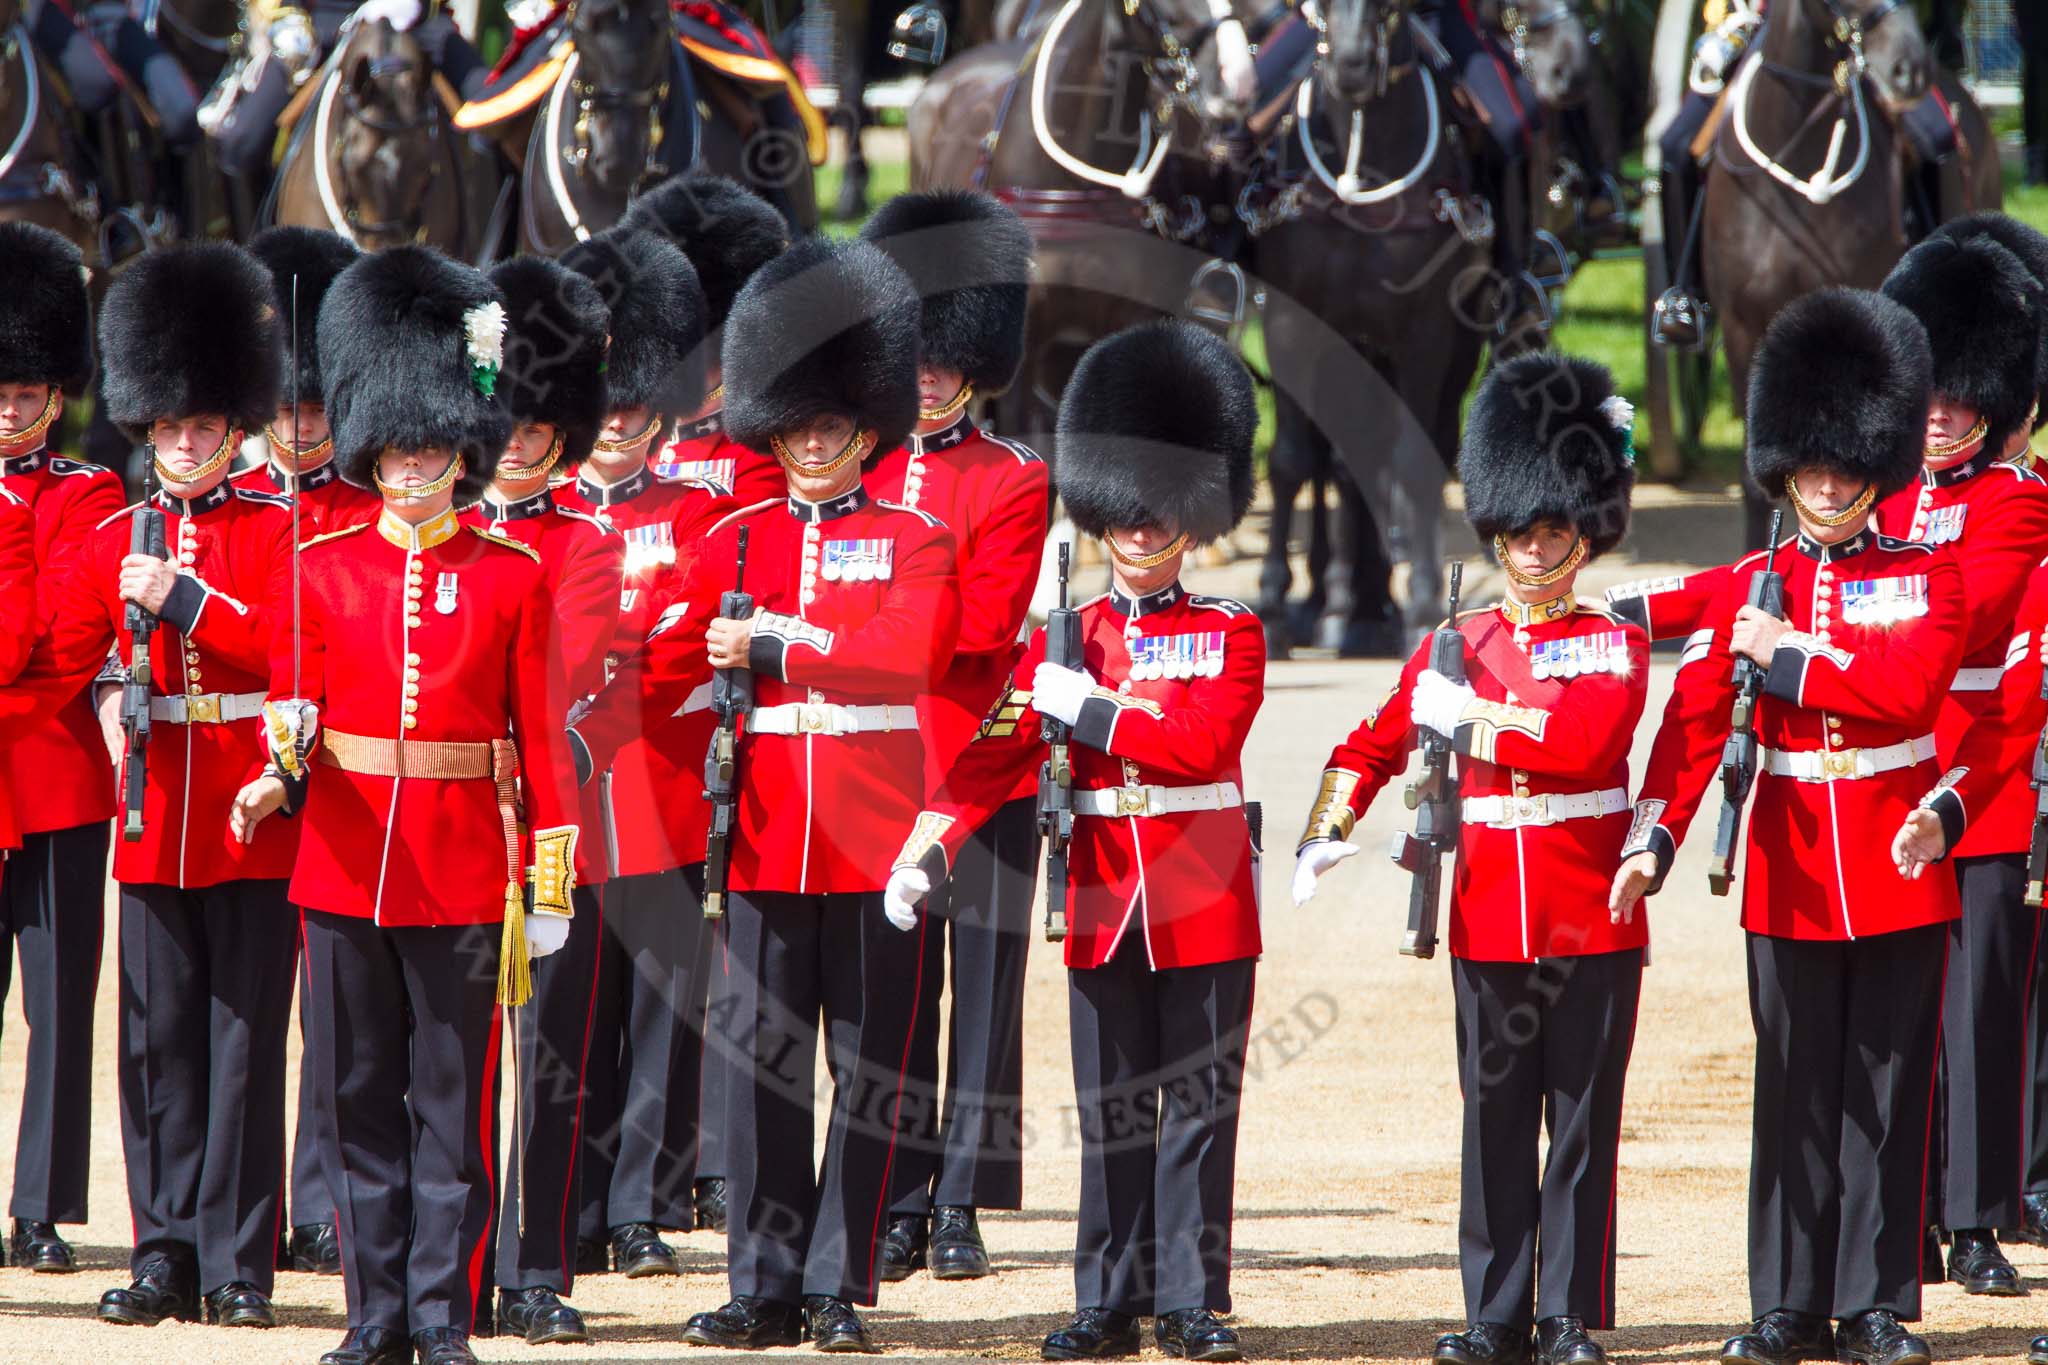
(545, 934)
(1920, 841)
(1756, 634)
(1058, 692)
(1313, 861)
(262, 798)
(727, 642)
(108, 707)
(1436, 702)
(1630, 883)
(907, 886)
(146, 581)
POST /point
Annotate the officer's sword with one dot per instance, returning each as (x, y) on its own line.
(294, 447)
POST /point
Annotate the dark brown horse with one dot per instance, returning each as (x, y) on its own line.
(38, 183)
(1374, 275)
(376, 156)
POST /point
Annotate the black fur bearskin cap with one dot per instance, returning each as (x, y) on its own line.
(45, 310)
(658, 356)
(1546, 440)
(556, 327)
(1983, 313)
(188, 331)
(726, 230)
(316, 258)
(969, 255)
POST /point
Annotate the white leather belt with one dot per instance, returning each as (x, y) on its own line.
(1836, 764)
(1976, 680)
(208, 708)
(829, 718)
(1512, 812)
(1140, 800)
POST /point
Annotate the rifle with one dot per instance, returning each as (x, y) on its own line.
(732, 696)
(146, 537)
(2037, 851)
(1056, 777)
(1433, 796)
(1739, 750)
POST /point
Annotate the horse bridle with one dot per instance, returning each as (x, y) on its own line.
(342, 210)
(1846, 34)
(591, 99)
(1522, 22)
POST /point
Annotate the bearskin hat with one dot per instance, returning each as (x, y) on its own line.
(190, 330)
(2028, 243)
(556, 325)
(316, 258)
(726, 230)
(1841, 381)
(45, 313)
(1983, 313)
(1155, 427)
(829, 326)
(396, 333)
(1546, 439)
(969, 255)
(657, 319)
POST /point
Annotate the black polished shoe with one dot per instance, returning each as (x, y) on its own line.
(593, 1257)
(159, 1291)
(1977, 1264)
(956, 1251)
(1194, 1334)
(832, 1325)
(1483, 1343)
(1094, 1334)
(37, 1247)
(709, 1197)
(443, 1346)
(747, 1324)
(1563, 1341)
(2034, 1220)
(370, 1346)
(638, 1251)
(238, 1304)
(540, 1316)
(316, 1249)
(904, 1246)
(1876, 1338)
(2037, 1351)
(1779, 1337)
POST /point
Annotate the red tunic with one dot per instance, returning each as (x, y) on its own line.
(326, 501)
(655, 815)
(859, 609)
(701, 451)
(59, 774)
(448, 635)
(583, 559)
(1557, 703)
(1668, 608)
(1176, 718)
(1995, 799)
(18, 624)
(1878, 628)
(995, 497)
(232, 549)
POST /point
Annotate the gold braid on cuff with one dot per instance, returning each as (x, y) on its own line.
(931, 827)
(553, 874)
(1331, 817)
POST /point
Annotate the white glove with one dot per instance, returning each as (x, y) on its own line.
(545, 934)
(1437, 702)
(1058, 692)
(1234, 62)
(400, 14)
(1313, 861)
(907, 886)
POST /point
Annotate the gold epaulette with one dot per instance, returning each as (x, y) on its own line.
(306, 545)
(507, 542)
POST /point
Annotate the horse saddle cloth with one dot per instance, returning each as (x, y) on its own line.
(531, 64)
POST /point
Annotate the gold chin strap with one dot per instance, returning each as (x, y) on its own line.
(1945, 450)
(1841, 518)
(34, 430)
(300, 456)
(394, 493)
(854, 450)
(950, 406)
(520, 473)
(1572, 561)
(628, 442)
(230, 442)
(1151, 561)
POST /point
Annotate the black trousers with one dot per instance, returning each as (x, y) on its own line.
(53, 899)
(1846, 1037)
(1976, 1164)
(976, 1156)
(640, 1131)
(2037, 1078)
(721, 1037)
(310, 1201)
(1542, 1045)
(402, 1046)
(793, 1228)
(535, 1245)
(206, 992)
(1158, 1079)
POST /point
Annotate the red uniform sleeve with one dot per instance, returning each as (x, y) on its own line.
(1584, 736)
(18, 623)
(982, 778)
(1369, 758)
(587, 608)
(1669, 608)
(93, 499)
(654, 681)
(1198, 737)
(1687, 751)
(1897, 675)
(2001, 746)
(2005, 540)
(238, 631)
(901, 649)
(998, 574)
(536, 681)
(77, 632)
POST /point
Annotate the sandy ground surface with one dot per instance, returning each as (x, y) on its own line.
(1348, 1176)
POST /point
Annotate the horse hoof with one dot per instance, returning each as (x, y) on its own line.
(1279, 640)
(853, 200)
(1371, 640)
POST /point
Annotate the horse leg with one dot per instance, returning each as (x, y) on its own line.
(1371, 628)
(851, 109)
(1286, 472)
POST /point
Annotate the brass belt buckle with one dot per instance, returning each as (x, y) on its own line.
(811, 719)
(1529, 810)
(203, 710)
(1132, 801)
(1839, 763)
